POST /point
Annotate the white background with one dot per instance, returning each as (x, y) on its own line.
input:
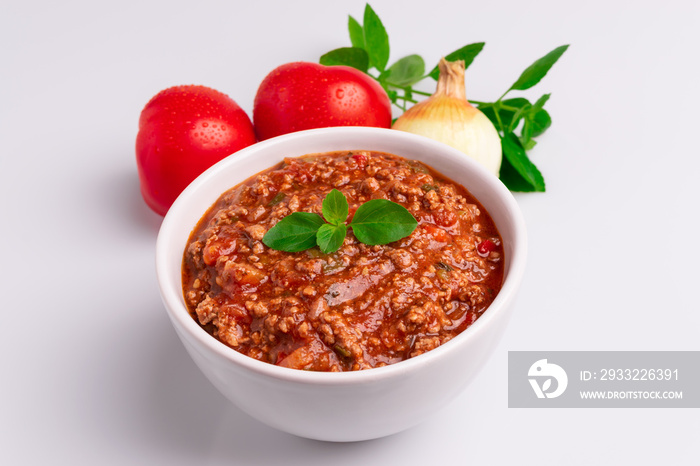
(92, 372)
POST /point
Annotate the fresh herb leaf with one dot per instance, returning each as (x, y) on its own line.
(526, 134)
(535, 72)
(347, 56)
(335, 208)
(406, 71)
(514, 110)
(536, 123)
(467, 53)
(357, 34)
(378, 221)
(381, 221)
(382, 79)
(510, 111)
(540, 102)
(518, 173)
(512, 179)
(376, 39)
(540, 122)
(330, 237)
(529, 144)
(294, 232)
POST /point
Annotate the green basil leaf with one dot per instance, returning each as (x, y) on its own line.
(376, 39)
(347, 56)
(383, 77)
(540, 102)
(330, 237)
(406, 71)
(535, 72)
(529, 144)
(467, 53)
(357, 35)
(294, 232)
(511, 118)
(335, 208)
(518, 173)
(507, 115)
(526, 134)
(380, 221)
(540, 122)
(536, 122)
(513, 180)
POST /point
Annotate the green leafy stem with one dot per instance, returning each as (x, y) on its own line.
(517, 120)
(378, 221)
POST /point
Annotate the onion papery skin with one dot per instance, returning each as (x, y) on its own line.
(456, 123)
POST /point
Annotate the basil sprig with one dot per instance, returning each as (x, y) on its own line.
(294, 233)
(378, 221)
(370, 54)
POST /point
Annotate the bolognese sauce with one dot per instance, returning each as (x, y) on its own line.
(357, 308)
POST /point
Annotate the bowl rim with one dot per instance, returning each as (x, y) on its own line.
(173, 300)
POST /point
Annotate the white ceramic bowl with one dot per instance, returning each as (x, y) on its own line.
(345, 406)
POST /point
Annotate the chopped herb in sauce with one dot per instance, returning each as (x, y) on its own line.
(279, 197)
(417, 167)
(443, 266)
(342, 351)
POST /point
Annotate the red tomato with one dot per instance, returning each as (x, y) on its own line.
(184, 130)
(301, 95)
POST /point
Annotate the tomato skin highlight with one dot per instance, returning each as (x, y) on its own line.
(485, 247)
(302, 95)
(183, 130)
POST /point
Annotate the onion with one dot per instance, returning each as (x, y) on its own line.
(447, 116)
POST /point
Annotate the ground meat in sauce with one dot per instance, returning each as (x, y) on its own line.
(362, 306)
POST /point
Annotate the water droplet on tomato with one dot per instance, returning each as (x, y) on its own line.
(205, 124)
(339, 93)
